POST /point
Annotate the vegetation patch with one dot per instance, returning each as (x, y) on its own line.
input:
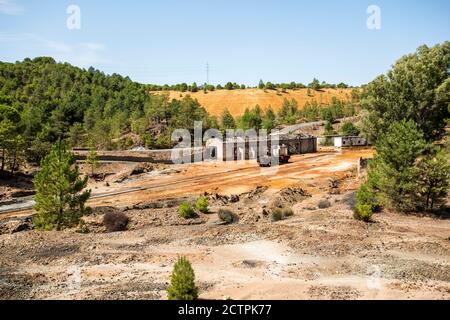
(363, 212)
(324, 204)
(115, 221)
(202, 204)
(60, 199)
(226, 216)
(182, 282)
(186, 211)
(279, 214)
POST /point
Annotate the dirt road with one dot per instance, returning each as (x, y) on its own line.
(231, 178)
(224, 178)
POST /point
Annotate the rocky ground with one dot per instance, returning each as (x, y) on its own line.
(320, 252)
(316, 254)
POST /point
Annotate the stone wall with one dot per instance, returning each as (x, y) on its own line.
(296, 146)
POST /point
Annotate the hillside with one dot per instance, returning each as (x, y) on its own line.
(238, 100)
(42, 101)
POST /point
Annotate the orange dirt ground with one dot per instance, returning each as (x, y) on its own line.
(232, 178)
(321, 252)
(238, 100)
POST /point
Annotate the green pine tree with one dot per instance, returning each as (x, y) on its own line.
(269, 120)
(433, 177)
(228, 120)
(392, 173)
(60, 199)
(261, 84)
(182, 282)
(349, 129)
(92, 158)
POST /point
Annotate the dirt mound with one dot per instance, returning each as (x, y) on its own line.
(256, 206)
(142, 168)
(16, 225)
(158, 213)
(15, 186)
(289, 196)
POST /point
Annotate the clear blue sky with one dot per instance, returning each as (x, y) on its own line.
(243, 41)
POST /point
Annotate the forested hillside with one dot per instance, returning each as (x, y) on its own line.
(43, 101)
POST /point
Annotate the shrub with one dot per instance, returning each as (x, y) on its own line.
(288, 212)
(365, 196)
(277, 215)
(324, 204)
(363, 212)
(349, 129)
(115, 221)
(186, 211)
(182, 282)
(202, 204)
(226, 216)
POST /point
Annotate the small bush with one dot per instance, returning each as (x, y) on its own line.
(324, 204)
(277, 215)
(182, 282)
(186, 211)
(365, 196)
(226, 216)
(363, 212)
(288, 212)
(202, 204)
(281, 214)
(115, 221)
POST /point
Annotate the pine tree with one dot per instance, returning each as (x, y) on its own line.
(228, 120)
(182, 282)
(229, 86)
(433, 177)
(60, 199)
(283, 113)
(10, 141)
(329, 130)
(92, 158)
(392, 173)
(415, 88)
(7, 131)
(349, 129)
(269, 119)
(261, 84)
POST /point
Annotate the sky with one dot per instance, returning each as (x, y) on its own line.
(170, 41)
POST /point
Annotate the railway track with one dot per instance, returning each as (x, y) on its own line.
(223, 177)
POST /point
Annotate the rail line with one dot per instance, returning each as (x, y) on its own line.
(227, 176)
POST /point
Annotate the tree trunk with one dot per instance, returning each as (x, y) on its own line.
(14, 162)
(3, 159)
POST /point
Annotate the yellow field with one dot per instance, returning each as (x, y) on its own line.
(238, 100)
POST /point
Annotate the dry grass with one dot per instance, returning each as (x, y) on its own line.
(238, 100)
